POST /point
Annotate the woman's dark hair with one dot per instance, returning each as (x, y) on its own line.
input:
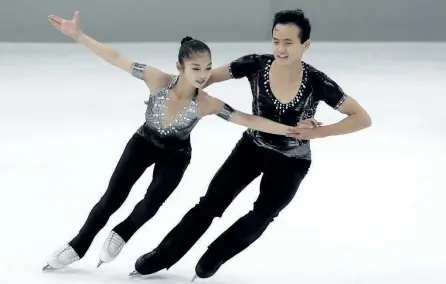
(191, 47)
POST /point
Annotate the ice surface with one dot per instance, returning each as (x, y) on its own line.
(370, 211)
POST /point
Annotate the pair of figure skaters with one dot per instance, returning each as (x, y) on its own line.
(286, 92)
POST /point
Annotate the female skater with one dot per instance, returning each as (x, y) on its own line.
(175, 105)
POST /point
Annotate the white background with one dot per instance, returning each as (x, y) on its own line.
(371, 210)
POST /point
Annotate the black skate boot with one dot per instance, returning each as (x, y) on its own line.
(209, 264)
(150, 263)
(163, 257)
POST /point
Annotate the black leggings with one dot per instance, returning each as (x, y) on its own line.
(280, 181)
(138, 155)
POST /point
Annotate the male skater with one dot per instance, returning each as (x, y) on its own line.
(284, 89)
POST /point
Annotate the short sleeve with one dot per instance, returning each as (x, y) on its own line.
(245, 66)
(330, 92)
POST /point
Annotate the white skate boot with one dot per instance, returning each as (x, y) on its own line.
(61, 258)
(111, 248)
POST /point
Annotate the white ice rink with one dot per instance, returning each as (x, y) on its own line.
(371, 211)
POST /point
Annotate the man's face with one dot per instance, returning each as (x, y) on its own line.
(287, 48)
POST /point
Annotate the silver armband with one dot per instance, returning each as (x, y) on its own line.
(138, 70)
(226, 112)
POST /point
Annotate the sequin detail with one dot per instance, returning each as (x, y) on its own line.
(315, 87)
(230, 72)
(138, 70)
(341, 101)
(158, 130)
(226, 112)
(282, 107)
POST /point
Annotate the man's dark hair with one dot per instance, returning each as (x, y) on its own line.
(294, 17)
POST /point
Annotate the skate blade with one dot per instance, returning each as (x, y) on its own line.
(100, 263)
(193, 279)
(47, 268)
(134, 273)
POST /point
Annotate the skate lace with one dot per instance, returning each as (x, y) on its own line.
(114, 244)
(67, 254)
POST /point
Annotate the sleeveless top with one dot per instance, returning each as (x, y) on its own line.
(176, 135)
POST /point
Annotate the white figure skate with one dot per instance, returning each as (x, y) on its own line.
(61, 258)
(111, 248)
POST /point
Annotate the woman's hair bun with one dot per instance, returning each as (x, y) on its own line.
(186, 39)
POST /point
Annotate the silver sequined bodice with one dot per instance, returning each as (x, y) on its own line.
(175, 135)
